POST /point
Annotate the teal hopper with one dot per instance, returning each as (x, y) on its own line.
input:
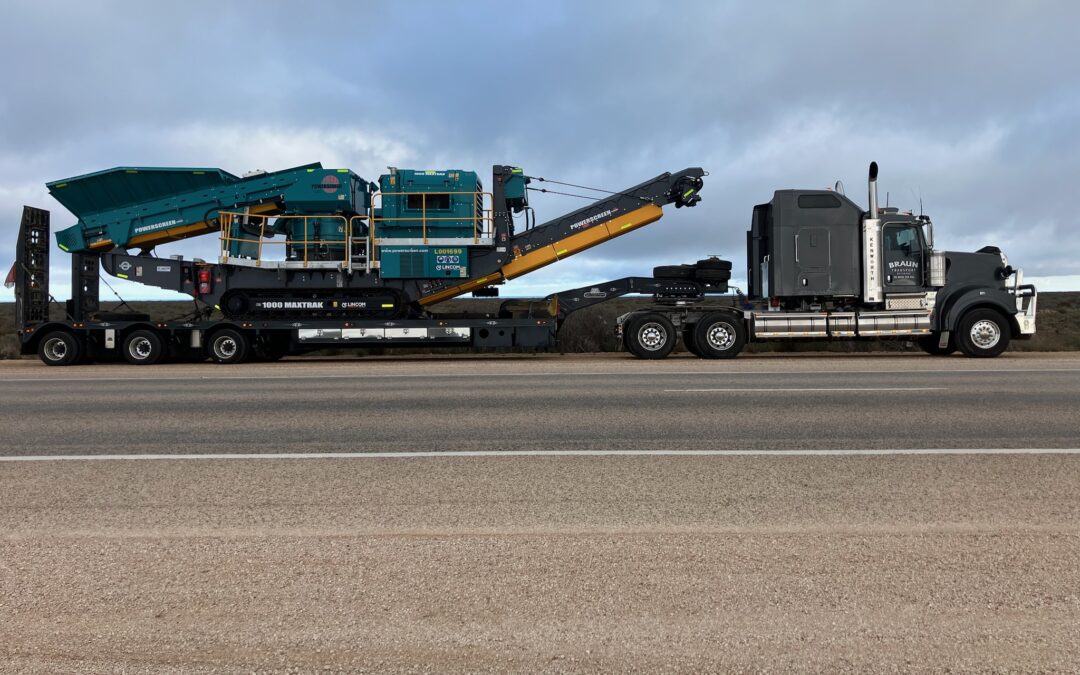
(143, 207)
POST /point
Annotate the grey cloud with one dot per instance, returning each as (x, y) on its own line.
(975, 106)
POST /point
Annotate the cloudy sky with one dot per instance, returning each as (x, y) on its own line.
(973, 106)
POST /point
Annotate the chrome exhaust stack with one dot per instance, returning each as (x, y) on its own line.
(873, 191)
(872, 288)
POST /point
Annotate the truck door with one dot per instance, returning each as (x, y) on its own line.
(904, 257)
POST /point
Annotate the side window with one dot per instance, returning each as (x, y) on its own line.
(819, 201)
(903, 255)
(902, 239)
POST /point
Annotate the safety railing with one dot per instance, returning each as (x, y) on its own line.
(482, 216)
(248, 239)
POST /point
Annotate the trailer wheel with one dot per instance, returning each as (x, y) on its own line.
(143, 348)
(982, 333)
(689, 342)
(229, 346)
(650, 336)
(60, 348)
(719, 335)
(929, 344)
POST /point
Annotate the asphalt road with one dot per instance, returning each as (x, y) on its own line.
(542, 403)
(585, 562)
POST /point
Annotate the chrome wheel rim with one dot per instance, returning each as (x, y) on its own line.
(985, 334)
(652, 336)
(140, 349)
(56, 349)
(225, 348)
(721, 337)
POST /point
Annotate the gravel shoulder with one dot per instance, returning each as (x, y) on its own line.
(966, 563)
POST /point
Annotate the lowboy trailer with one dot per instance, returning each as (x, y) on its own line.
(312, 257)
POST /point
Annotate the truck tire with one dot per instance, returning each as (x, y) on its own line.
(982, 333)
(60, 348)
(673, 271)
(143, 348)
(689, 342)
(712, 276)
(650, 336)
(229, 346)
(719, 335)
(714, 264)
(929, 344)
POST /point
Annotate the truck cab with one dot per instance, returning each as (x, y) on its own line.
(807, 247)
(817, 256)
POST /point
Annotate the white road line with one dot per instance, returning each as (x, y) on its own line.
(685, 391)
(501, 375)
(451, 454)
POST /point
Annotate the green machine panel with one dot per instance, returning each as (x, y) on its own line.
(423, 262)
(449, 202)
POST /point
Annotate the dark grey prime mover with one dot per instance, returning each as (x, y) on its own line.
(819, 266)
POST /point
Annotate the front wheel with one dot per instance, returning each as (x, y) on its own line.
(719, 335)
(650, 336)
(982, 333)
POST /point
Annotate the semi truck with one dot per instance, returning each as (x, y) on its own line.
(820, 267)
(311, 257)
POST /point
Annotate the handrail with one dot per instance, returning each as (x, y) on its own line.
(228, 219)
(483, 218)
(369, 249)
